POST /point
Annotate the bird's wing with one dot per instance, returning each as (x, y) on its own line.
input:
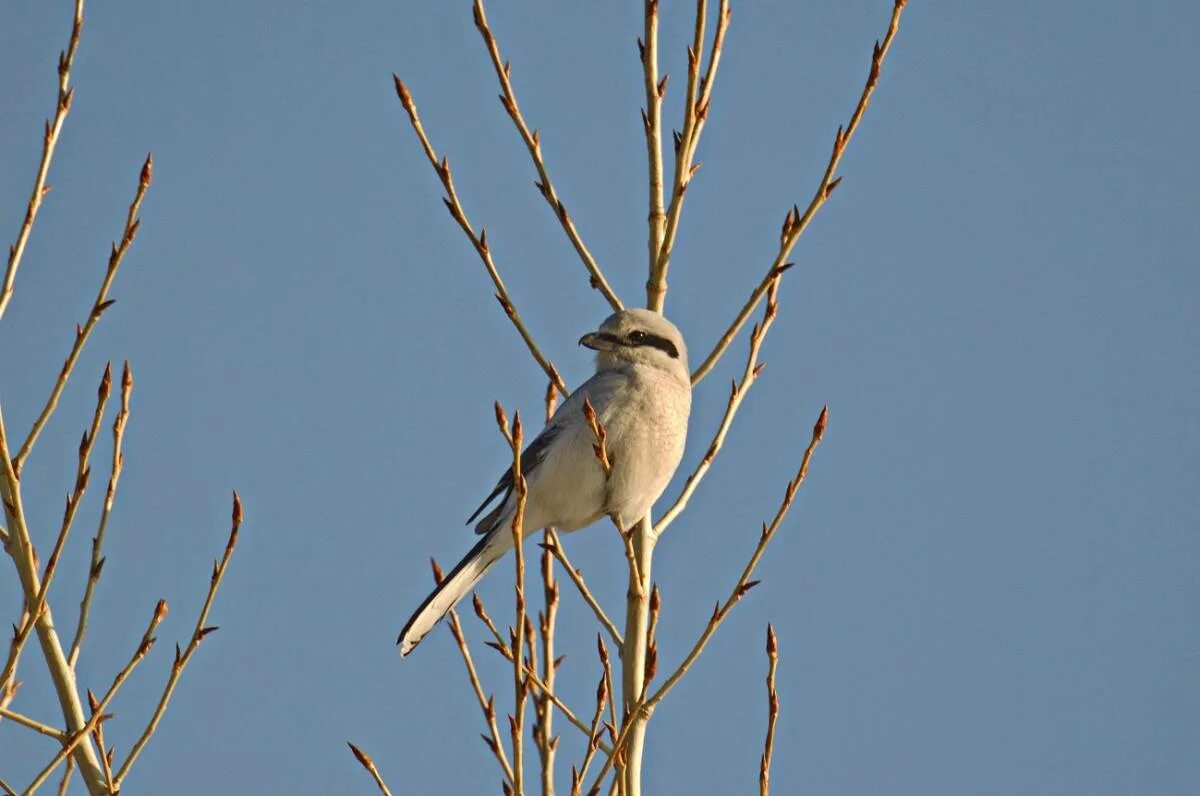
(531, 457)
(570, 411)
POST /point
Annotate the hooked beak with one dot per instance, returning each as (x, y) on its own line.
(597, 341)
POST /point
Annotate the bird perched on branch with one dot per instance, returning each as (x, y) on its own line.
(642, 394)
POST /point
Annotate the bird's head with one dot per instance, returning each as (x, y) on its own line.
(639, 337)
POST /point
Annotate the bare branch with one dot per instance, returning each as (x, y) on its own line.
(65, 782)
(82, 473)
(695, 114)
(114, 477)
(764, 769)
(101, 304)
(479, 241)
(603, 697)
(502, 647)
(598, 432)
(547, 741)
(515, 437)
(534, 145)
(33, 724)
(20, 549)
(50, 136)
(486, 703)
(366, 762)
(201, 630)
(744, 584)
(749, 376)
(656, 283)
(98, 715)
(554, 545)
(797, 222)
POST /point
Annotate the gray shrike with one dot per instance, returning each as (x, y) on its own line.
(642, 393)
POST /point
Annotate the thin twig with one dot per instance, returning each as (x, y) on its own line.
(606, 666)
(50, 136)
(106, 754)
(547, 741)
(646, 707)
(114, 476)
(181, 658)
(599, 434)
(365, 760)
(764, 769)
(102, 303)
(486, 703)
(31, 723)
(515, 436)
(796, 222)
(695, 114)
(554, 545)
(534, 145)
(65, 782)
(744, 584)
(651, 666)
(737, 393)
(98, 714)
(502, 647)
(479, 241)
(603, 697)
(656, 285)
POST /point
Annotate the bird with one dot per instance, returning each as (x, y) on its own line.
(641, 393)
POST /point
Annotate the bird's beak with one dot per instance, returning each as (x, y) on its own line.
(596, 341)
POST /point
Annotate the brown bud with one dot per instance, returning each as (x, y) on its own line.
(478, 604)
(403, 93)
(147, 171)
(360, 755)
(105, 388)
(746, 587)
(819, 426)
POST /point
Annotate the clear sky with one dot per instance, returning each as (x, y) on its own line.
(990, 582)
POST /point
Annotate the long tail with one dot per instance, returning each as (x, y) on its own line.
(453, 588)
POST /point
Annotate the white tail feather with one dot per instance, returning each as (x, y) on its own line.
(458, 583)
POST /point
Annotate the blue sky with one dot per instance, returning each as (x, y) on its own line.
(990, 582)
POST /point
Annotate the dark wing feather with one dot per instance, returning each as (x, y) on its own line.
(533, 455)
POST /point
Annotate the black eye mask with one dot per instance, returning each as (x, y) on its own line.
(639, 339)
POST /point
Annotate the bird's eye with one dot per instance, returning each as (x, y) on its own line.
(637, 337)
